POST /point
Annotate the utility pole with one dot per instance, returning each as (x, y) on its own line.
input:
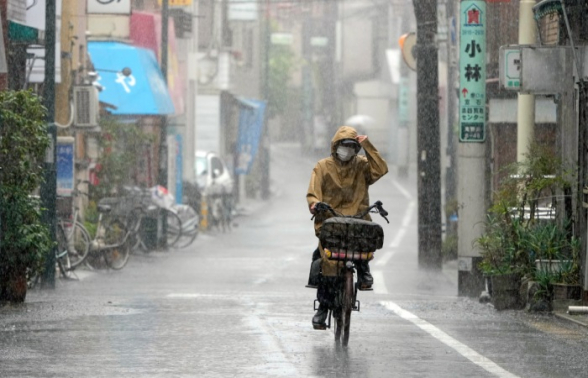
(471, 192)
(49, 186)
(429, 166)
(526, 102)
(163, 150)
(265, 137)
(190, 142)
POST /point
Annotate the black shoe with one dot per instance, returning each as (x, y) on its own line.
(364, 276)
(318, 320)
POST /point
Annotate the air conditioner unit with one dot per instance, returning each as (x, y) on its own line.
(85, 106)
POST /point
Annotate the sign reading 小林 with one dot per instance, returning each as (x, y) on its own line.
(472, 71)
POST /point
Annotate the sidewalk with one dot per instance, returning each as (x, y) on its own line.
(450, 271)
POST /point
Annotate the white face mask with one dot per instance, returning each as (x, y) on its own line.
(345, 153)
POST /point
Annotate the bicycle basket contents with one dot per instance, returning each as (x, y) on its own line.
(350, 238)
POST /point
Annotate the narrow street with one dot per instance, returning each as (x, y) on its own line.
(235, 305)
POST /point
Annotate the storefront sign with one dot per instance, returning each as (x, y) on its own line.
(176, 3)
(472, 65)
(109, 6)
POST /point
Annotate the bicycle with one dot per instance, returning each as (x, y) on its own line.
(220, 214)
(144, 220)
(347, 240)
(190, 225)
(62, 258)
(77, 237)
(111, 241)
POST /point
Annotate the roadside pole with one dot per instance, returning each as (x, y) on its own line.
(163, 150)
(472, 144)
(49, 187)
(190, 143)
(429, 165)
(526, 102)
(265, 135)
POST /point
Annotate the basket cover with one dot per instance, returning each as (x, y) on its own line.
(351, 234)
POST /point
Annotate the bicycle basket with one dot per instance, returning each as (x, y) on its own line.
(120, 206)
(351, 234)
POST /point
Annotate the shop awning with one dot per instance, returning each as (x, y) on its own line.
(143, 92)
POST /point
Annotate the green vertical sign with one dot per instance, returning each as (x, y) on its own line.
(472, 69)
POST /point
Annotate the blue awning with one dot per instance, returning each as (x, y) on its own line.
(144, 92)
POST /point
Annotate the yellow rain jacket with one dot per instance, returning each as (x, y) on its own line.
(344, 185)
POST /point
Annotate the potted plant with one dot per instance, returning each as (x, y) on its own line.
(24, 239)
(521, 226)
(500, 262)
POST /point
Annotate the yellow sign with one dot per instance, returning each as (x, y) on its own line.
(177, 2)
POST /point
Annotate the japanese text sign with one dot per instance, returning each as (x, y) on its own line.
(472, 67)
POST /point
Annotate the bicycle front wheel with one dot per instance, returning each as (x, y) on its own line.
(61, 255)
(134, 220)
(78, 241)
(348, 302)
(117, 254)
(174, 228)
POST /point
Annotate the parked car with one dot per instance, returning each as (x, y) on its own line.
(212, 174)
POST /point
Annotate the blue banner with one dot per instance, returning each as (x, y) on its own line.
(251, 121)
(65, 166)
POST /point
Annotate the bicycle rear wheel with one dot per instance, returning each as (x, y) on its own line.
(78, 241)
(117, 256)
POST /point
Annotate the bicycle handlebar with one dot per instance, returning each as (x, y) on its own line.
(320, 207)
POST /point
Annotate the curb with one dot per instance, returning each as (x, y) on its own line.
(583, 321)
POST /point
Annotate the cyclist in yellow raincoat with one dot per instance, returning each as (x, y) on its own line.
(342, 181)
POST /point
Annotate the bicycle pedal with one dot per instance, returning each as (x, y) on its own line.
(311, 286)
(365, 288)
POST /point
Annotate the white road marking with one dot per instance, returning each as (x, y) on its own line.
(462, 349)
(384, 257)
(398, 238)
(379, 282)
(401, 189)
(189, 295)
(408, 214)
(276, 361)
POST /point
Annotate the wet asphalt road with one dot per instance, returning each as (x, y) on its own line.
(235, 305)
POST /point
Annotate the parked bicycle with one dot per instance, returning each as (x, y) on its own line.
(347, 240)
(143, 217)
(221, 210)
(76, 236)
(110, 246)
(63, 262)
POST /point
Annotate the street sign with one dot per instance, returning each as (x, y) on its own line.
(510, 67)
(472, 66)
(319, 41)
(281, 39)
